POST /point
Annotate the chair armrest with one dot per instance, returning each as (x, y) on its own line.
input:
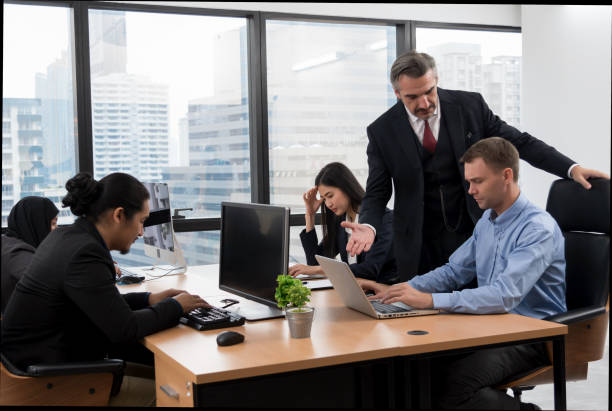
(85, 367)
(116, 367)
(577, 315)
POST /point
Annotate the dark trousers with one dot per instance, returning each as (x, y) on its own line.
(468, 381)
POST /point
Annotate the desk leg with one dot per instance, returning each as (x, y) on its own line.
(420, 384)
(559, 373)
(423, 368)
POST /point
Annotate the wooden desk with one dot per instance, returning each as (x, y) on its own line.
(342, 341)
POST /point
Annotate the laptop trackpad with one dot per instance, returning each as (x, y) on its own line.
(402, 305)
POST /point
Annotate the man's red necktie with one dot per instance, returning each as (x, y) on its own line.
(429, 142)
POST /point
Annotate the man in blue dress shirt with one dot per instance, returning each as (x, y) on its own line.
(516, 253)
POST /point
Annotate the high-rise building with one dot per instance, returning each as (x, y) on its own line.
(461, 67)
(502, 87)
(54, 89)
(23, 172)
(130, 126)
(107, 39)
(316, 115)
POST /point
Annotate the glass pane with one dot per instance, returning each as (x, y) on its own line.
(171, 105)
(483, 61)
(38, 118)
(326, 84)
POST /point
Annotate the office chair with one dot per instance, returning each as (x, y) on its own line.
(584, 218)
(77, 383)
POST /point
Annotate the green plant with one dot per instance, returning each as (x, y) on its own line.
(291, 292)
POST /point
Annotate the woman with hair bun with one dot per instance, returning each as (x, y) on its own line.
(67, 307)
(31, 219)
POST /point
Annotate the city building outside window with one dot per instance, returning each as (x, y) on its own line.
(487, 62)
(38, 117)
(171, 106)
(326, 83)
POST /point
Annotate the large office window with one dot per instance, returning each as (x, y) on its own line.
(170, 92)
(488, 62)
(38, 118)
(170, 103)
(325, 83)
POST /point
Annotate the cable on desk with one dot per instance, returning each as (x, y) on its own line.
(168, 271)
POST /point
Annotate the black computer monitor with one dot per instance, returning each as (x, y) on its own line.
(254, 251)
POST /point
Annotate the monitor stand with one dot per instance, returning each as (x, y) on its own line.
(254, 311)
(179, 265)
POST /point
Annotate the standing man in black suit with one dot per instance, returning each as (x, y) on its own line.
(417, 145)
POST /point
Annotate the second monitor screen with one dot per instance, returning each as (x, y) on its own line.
(254, 249)
(158, 227)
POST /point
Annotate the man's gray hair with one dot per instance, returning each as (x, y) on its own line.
(412, 64)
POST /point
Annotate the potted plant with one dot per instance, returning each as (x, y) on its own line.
(291, 295)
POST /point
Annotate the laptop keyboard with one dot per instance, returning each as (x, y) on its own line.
(211, 318)
(387, 308)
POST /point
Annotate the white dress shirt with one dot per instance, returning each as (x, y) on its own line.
(418, 125)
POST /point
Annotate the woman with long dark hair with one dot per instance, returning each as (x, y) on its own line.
(340, 197)
(31, 219)
(67, 307)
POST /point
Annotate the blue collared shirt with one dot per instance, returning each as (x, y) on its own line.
(518, 258)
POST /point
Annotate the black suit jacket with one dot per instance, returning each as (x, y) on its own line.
(378, 264)
(16, 258)
(67, 307)
(393, 156)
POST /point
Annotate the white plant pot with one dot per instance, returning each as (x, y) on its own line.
(300, 323)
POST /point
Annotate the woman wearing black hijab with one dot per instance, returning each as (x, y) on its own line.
(29, 222)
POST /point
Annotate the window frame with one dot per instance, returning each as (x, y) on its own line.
(257, 80)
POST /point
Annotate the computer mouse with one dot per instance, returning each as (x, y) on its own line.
(130, 279)
(229, 338)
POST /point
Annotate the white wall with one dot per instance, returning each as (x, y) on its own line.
(565, 92)
(503, 15)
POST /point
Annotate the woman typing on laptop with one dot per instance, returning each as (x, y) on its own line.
(340, 197)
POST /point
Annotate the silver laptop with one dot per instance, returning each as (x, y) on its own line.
(341, 276)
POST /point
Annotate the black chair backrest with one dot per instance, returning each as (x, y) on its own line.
(584, 218)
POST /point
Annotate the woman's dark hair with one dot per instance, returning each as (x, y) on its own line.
(339, 176)
(30, 219)
(90, 198)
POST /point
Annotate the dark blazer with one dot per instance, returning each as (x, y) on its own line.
(393, 157)
(67, 307)
(16, 258)
(378, 264)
